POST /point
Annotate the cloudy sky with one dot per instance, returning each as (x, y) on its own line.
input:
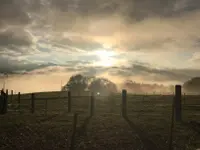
(43, 42)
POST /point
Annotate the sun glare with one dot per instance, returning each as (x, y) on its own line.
(103, 54)
(105, 57)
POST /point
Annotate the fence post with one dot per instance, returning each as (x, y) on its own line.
(69, 101)
(32, 103)
(19, 101)
(178, 97)
(124, 103)
(7, 93)
(1, 103)
(11, 96)
(92, 104)
(4, 102)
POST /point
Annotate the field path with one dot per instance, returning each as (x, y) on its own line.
(110, 132)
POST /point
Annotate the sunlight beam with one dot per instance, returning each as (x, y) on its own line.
(106, 58)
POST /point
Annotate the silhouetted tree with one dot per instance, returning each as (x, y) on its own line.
(77, 83)
(171, 88)
(192, 85)
(132, 86)
(102, 86)
(141, 88)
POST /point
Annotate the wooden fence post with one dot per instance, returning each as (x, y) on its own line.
(4, 102)
(1, 103)
(6, 92)
(124, 103)
(69, 102)
(19, 101)
(32, 103)
(92, 104)
(178, 97)
(11, 96)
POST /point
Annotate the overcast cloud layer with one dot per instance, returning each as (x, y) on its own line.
(153, 40)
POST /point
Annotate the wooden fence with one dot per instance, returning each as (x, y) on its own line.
(177, 107)
(36, 102)
(125, 105)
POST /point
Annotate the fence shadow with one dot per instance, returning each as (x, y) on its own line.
(194, 125)
(148, 144)
(81, 131)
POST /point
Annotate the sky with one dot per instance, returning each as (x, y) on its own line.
(44, 42)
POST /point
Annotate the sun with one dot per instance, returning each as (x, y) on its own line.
(104, 54)
(106, 57)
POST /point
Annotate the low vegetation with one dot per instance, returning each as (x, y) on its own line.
(147, 126)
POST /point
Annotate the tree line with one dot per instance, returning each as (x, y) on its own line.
(102, 86)
(99, 86)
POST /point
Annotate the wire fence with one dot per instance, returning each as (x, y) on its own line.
(137, 105)
(154, 113)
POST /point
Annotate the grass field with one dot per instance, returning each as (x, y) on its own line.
(146, 127)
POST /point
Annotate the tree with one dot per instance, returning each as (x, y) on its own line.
(132, 86)
(77, 83)
(192, 85)
(171, 88)
(102, 86)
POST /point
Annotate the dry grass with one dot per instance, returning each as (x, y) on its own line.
(36, 132)
(150, 118)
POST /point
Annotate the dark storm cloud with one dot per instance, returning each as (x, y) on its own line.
(167, 43)
(13, 13)
(152, 44)
(17, 11)
(46, 12)
(13, 18)
(10, 65)
(16, 37)
(87, 7)
(145, 24)
(142, 9)
(131, 9)
(147, 72)
(50, 15)
(183, 6)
